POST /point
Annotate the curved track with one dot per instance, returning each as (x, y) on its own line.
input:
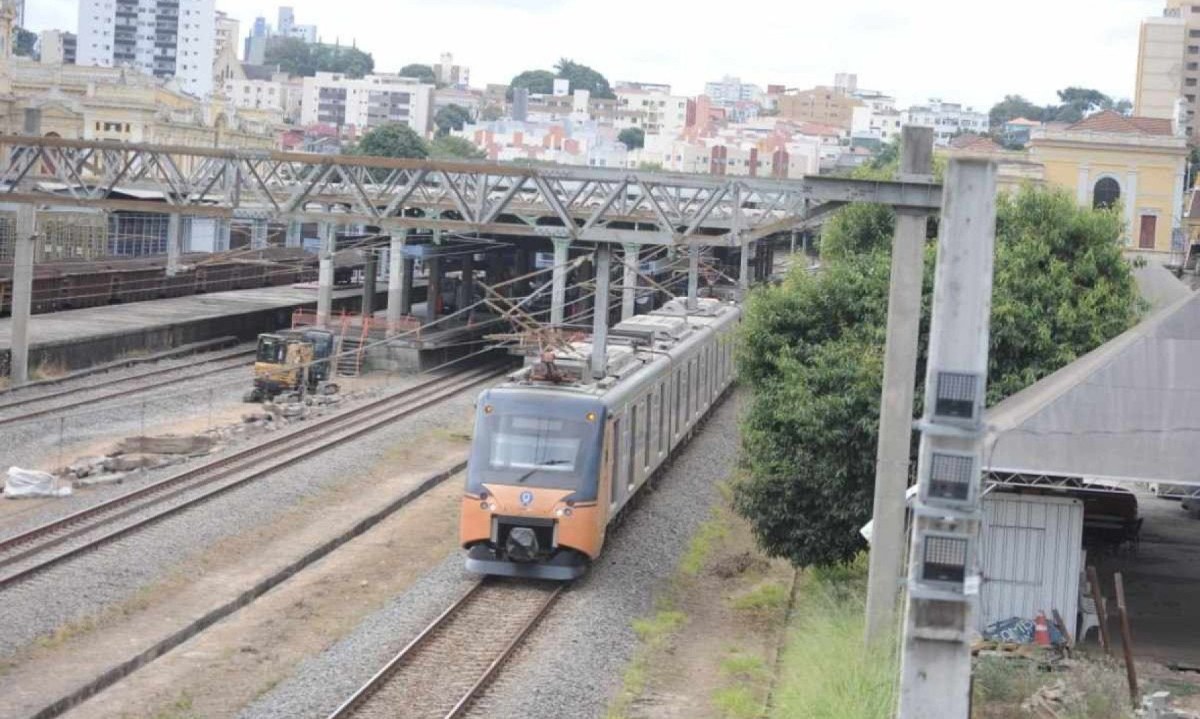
(230, 360)
(32, 552)
(447, 665)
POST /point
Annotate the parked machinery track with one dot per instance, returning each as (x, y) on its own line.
(28, 553)
(230, 360)
(441, 672)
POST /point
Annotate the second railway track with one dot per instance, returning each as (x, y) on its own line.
(441, 672)
(32, 552)
(231, 360)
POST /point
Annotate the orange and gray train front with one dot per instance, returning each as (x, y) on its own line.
(530, 508)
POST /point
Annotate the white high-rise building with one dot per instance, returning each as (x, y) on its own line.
(334, 99)
(164, 38)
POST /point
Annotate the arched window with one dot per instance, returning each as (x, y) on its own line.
(1106, 193)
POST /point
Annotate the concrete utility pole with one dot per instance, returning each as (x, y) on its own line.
(629, 281)
(693, 277)
(943, 575)
(325, 273)
(558, 287)
(174, 244)
(22, 293)
(466, 288)
(397, 279)
(600, 313)
(744, 271)
(896, 408)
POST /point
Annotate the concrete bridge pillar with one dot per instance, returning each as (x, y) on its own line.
(466, 290)
(629, 281)
(325, 273)
(433, 287)
(258, 234)
(600, 315)
(22, 293)
(693, 277)
(744, 271)
(558, 288)
(174, 243)
(370, 273)
(294, 237)
(399, 278)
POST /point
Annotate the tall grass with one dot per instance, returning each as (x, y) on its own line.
(825, 670)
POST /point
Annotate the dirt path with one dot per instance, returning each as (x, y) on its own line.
(710, 649)
(248, 653)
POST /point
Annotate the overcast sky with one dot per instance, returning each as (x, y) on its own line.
(973, 52)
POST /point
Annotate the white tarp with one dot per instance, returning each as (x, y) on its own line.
(32, 483)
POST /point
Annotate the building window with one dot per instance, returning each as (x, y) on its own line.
(1193, 49)
(1106, 193)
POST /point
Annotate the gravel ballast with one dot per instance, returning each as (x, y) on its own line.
(84, 587)
(571, 665)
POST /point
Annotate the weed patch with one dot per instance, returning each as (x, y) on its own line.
(769, 596)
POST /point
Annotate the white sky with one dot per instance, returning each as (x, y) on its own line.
(970, 51)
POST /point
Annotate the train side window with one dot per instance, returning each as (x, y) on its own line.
(663, 419)
(633, 429)
(687, 391)
(614, 480)
(675, 405)
(651, 422)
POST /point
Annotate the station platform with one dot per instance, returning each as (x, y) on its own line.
(427, 349)
(76, 339)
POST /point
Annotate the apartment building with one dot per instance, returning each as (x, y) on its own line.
(947, 120)
(875, 117)
(56, 47)
(164, 38)
(335, 99)
(730, 90)
(824, 104)
(450, 75)
(1168, 70)
(655, 113)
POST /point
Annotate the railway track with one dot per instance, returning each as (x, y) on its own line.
(229, 360)
(32, 552)
(441, 672)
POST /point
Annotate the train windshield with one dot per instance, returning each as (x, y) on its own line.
(539, 444)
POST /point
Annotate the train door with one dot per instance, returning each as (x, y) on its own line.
(604, 493)
(614, 467)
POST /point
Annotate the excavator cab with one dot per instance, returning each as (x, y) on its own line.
(293, 361)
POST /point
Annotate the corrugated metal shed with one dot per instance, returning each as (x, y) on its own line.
(1128, 411)
(1030, 554)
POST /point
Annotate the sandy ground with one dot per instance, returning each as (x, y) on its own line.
(246, 654)
(727, 644)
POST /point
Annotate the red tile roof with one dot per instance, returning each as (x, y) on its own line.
(975, 143)
(1111, 121)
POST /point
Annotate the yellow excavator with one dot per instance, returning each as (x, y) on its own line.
(293, 361)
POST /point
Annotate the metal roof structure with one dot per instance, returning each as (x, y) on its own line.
(1127, 411)
(573, 203)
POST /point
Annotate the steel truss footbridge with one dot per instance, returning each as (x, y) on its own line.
(587, 204)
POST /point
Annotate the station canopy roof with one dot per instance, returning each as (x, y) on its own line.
(1127, 411)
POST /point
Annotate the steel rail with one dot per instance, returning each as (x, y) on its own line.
(14, 419)
(332, 431)
(511, 647)
(405, 655)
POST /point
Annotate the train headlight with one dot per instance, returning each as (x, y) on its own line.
(563, 511)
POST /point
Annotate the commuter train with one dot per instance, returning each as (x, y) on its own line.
(557, 455)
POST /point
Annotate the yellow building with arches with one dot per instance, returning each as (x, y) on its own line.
(1137, 165)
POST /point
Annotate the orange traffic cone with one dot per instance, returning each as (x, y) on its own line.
(1041, 632)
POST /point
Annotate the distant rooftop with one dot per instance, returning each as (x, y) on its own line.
(1112, 121)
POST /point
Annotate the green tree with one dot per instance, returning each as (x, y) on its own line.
(633, 138)
(392, 140)
(24, 42)
(424, 73)
(491, 113)
(455, 148)
(812, 352)
(451, 117)
(539, 82)
(1012, 107)
(296, 57)
(583, 77)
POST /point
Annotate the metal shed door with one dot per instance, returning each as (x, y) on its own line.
(1030, 556)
